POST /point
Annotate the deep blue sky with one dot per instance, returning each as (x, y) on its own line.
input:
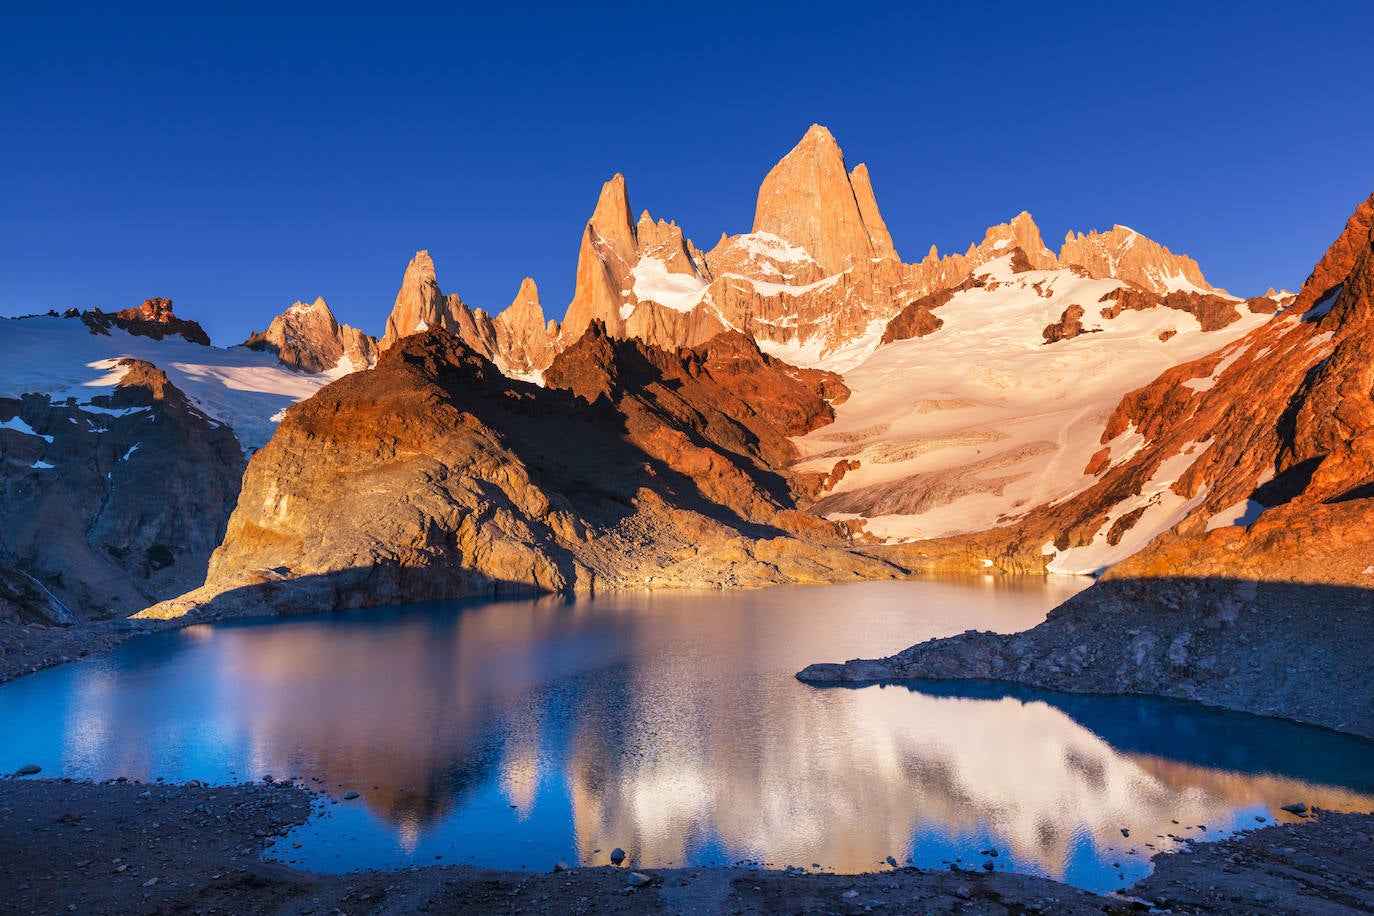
(238, 160)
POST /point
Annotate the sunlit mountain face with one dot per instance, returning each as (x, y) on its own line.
(520, 733)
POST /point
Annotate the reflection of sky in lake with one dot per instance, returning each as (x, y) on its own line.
(518, 733)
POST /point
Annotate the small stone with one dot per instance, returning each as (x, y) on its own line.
(28, 770)
(891, 861)
(1125, 832)
(988, 866)
(1295, 808)
(962, 892)
(560, 865)
(617, 856)
(350, 795)
(850, 895)
(638, 879)
(150, 882)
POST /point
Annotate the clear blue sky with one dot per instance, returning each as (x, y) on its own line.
(238, 157)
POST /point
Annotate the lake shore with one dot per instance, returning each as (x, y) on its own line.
(1253, 647)
(126, 847)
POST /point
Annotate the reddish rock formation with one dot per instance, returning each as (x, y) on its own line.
(918, 319)
(809, 200)
(1069, 326)
(1212, 312)
(525, 341)
(308, 337)
(1128, 255)
(154, 319)
(435, 476)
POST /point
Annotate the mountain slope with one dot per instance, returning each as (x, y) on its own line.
(1240, 522)
(990, 399)
(435, 476)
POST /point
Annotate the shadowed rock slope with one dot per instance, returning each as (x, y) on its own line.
(108, 506)
(1272, 554)
(434, 476)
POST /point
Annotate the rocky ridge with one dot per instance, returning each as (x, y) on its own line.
(816, 281)
(154, 319)
(435, 476)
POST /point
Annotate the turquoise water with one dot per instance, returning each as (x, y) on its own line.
(515, 734)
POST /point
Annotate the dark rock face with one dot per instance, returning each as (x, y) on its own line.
(435, 476)
(1212, 312)
(153, 319)
(115, 505)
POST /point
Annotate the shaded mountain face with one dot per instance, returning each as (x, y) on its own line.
(109, 505)
(435, 476)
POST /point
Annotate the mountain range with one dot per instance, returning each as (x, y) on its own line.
(796, 404)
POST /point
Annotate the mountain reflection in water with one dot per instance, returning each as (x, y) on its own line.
(514, 734)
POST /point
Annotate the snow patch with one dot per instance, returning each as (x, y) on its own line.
(654, 283)
(19, 426)
(1210, 382)
(236, 386)
(774, 248)
(1242, 513)
(1160, 509)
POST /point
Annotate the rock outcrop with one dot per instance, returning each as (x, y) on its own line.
(154, 319)
(308, 337)
(435, 476)
(525, 340)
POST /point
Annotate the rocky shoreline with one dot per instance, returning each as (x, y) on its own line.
(124, 847)
(1254, 647)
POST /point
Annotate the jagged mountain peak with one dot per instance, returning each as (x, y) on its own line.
(612, 222)
(308, 337)
(809, 199)
(1021, 232)
(1124, 253)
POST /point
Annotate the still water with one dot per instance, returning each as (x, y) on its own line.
(515, 734)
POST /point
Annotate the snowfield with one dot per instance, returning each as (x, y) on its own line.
(60, 357)
(972, 426)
